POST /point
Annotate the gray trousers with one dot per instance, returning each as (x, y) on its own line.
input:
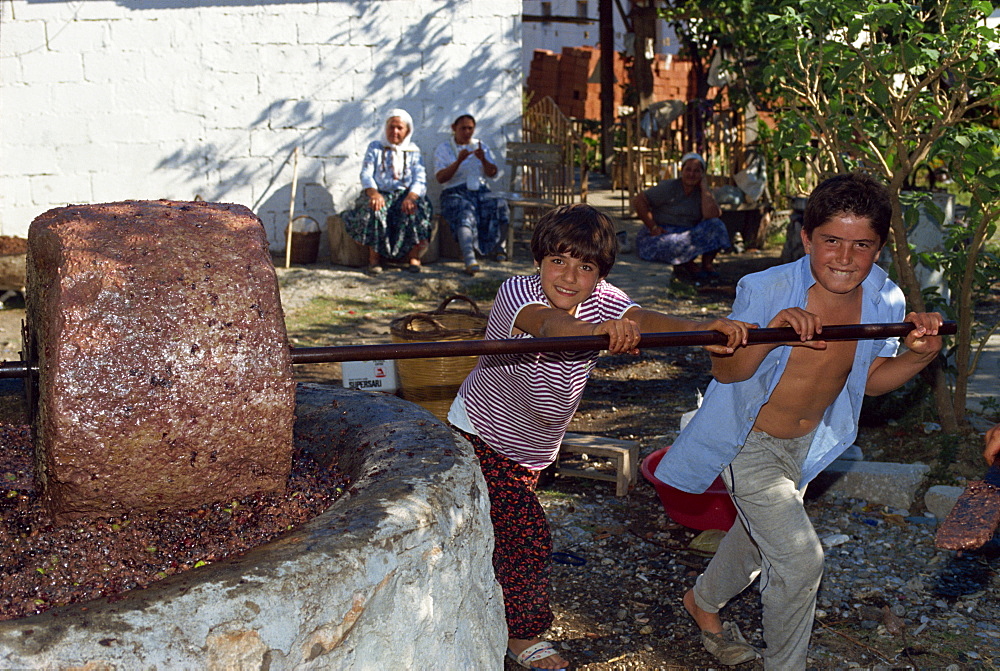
(772, 538)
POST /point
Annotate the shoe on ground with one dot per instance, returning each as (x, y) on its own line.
(413, 268)
(533, 653)
(729, 647)
(472, 269)
(500, 257)
(373, 270)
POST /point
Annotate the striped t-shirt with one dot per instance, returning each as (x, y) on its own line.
(521, 404)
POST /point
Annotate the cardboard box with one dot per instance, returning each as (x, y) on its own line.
(370, 375)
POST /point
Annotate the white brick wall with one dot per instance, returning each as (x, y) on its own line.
(110, 100)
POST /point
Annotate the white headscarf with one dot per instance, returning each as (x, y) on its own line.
(398, 160)
(685, 158)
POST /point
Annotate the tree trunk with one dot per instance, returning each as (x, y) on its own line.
(644, 27)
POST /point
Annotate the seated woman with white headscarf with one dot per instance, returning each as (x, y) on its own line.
(392, 217)
(477, 220)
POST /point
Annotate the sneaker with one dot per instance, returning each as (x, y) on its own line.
(729, 647)
(472, 269)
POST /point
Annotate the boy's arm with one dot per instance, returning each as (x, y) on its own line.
(743, 363)
(922, 343)
(992, 449)
(651, 321)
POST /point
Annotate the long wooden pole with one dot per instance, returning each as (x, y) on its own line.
(447, 348)
(291, 208)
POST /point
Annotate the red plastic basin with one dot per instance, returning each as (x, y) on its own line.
(712, 509)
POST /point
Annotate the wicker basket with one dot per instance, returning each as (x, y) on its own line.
(434, 382)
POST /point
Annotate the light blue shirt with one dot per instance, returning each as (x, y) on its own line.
(716, 433)
(377, 170)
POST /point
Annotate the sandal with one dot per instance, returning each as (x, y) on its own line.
(532, 653)
(729, 647)
(373, 270)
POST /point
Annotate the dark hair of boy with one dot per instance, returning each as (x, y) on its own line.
(577, 230)
(857, 193)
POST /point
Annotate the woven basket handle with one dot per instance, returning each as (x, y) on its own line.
(421, 316)
(457, 297)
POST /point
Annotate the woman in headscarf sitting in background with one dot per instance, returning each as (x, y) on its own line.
(478, 221)
(682, 220)
(392, 217)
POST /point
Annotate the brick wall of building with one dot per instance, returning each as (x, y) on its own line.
(572, 79)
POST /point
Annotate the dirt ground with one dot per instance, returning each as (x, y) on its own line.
(634, 398)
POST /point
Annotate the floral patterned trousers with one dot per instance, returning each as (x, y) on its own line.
(522, 552)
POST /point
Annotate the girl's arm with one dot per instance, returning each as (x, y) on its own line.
(545, 322)
(651, 321)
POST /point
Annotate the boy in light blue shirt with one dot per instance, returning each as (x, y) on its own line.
(777, 414)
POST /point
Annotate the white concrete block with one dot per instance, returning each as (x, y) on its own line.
(21, 37)
(15, 220)
(149, 35)
(327, 31)
(231, 91)
(80, 36)
(101, 67)
(98, 10)
(276, 29)
(117, 126)
(19, 190)
(33, 159)
(337, 12)
(148, 93)
(52, 190)
(70, 157)
(45, 67)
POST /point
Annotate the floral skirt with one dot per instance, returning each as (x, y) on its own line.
(389, 231)
(486, 217)
(678, 245)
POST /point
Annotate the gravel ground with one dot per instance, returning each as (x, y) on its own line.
(888, 600)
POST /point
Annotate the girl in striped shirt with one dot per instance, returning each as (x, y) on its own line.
(514, 408)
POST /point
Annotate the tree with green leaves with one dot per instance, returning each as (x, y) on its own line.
(887, 86)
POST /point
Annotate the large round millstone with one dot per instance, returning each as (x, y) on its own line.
(164, 373)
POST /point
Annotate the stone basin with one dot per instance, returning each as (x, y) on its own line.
(395, 574)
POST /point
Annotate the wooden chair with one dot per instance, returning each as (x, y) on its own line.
(537, 184)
